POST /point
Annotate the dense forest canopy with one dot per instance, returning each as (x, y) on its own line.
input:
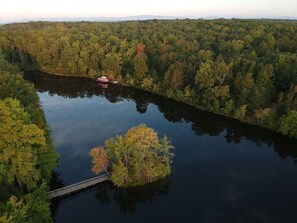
(27, 155)
(246, 69)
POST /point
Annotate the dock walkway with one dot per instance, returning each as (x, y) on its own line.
(77, 186)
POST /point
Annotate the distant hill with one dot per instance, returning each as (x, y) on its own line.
(249, 17)
(102, 19)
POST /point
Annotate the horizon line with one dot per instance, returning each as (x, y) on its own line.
(137, 18)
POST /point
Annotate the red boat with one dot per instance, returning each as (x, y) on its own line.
(102, 79)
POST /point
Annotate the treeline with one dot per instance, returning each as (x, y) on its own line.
(246, 69)
(27, 155)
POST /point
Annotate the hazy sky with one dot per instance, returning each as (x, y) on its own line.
(12, 10)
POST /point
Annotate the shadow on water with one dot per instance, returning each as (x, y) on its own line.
(72, 87)
(55, 183)
(127, 199)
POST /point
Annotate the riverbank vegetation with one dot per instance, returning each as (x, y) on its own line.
(27, 155)
(137, 158)
(244, 69)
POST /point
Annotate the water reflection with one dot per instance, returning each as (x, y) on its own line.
(233, 130)
(128, 199)
(56, 183)
(223, 171)
(102, 85)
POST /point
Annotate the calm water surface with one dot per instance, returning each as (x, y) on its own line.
(223, 170)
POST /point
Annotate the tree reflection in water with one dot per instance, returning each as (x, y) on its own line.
(129, 198)
(202, 123)
(173, 111)
(55, 183)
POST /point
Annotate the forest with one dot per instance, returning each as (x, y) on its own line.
(243, 69)
(27, 154)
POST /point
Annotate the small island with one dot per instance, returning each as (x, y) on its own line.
(137, 158)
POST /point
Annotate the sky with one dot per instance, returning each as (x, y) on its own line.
(17, 10)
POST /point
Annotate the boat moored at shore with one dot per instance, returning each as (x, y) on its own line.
(102, 79)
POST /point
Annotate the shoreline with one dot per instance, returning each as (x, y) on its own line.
(247, 120)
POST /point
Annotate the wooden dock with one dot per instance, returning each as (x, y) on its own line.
(77, 186)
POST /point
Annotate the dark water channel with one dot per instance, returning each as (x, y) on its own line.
(223, 170)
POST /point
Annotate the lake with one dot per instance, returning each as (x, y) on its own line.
(223, 170)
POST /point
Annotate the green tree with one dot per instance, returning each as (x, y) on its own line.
(14, 86)
(288, 124)
(120, 174)
(112, 65)
(240, 112)
(27, 155)
(139, 157)
(211, 80)
(243, 86)
(19, 142)
(140, 66)
(16, 211)
(6, 66)
(264, 89)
